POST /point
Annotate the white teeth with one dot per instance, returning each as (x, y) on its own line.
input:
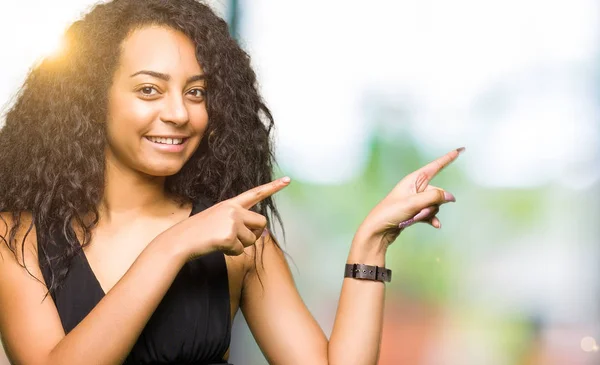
(166, 140)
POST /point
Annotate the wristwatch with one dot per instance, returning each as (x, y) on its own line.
(368, 272)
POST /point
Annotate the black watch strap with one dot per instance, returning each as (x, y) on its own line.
(368, 272)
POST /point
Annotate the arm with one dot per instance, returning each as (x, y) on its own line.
(279, 320)
(31, 329)
(356, 335)
(286, 331)
(283, 327)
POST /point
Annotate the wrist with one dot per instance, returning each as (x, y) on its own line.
(169, 249)
(367, 251)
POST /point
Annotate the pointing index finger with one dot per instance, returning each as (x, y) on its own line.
(435, 166)
(250, 198)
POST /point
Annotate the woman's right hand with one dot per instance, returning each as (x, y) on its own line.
(229, 226)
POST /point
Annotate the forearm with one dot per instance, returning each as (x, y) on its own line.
(107, 334)
(356, 334)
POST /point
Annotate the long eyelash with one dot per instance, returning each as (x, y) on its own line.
(202, 91)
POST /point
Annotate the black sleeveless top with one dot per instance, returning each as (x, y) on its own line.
(191, 325)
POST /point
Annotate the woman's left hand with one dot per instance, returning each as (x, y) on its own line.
(412, 200)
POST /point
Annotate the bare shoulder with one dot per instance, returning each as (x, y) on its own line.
(18, 250)
(18, 242)
(29, 322)
(266, 252)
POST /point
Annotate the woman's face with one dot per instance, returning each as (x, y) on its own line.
(156, 108)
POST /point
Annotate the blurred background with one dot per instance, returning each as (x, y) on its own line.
(363, 93)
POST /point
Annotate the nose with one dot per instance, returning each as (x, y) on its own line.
(174, 111)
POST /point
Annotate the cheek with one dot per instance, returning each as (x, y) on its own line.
(118, 134)
(130, 115)
(198, 117)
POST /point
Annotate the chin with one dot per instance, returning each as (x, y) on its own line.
(162, 171)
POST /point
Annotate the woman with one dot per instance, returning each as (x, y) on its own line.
(137, 170)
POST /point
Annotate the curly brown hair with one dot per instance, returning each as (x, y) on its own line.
(52, 146)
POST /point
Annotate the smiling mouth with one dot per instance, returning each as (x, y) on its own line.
(168, 141)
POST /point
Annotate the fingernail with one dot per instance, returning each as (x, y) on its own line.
(406, 223)
(422, 214)
(449, 197)
(264, 234)
(460, 150)
(286, 179)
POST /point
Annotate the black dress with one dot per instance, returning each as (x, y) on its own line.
(191, 325)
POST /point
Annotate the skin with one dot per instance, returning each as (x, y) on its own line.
(138, 219)
(135, 208)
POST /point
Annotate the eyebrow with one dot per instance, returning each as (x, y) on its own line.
(166, 77)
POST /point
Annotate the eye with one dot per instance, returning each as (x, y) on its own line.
(197, 93)
(148, 91)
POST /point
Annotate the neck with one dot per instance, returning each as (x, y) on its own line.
(129, 193)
